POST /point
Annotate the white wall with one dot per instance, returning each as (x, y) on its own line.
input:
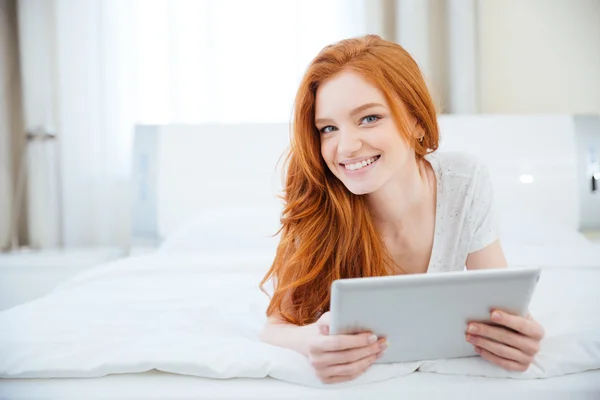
(539, 56)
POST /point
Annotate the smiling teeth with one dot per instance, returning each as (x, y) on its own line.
(360, 164)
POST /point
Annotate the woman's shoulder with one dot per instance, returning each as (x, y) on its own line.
(459, 164)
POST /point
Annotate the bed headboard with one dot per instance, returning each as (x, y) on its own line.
(182, 170)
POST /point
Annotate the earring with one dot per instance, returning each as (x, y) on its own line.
(421, 139)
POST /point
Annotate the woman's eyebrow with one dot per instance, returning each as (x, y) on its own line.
(364, 107)
(352, 113)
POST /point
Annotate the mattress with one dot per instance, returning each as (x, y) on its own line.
(159, 385)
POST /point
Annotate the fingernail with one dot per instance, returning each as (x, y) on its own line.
(496, 316)
(478, 350)
(383, 346)
(470, 338)
(372, 339)
(473, 328)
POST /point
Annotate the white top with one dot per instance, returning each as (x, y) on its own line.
(464, 220)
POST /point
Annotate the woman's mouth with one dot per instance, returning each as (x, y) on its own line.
(361, 165)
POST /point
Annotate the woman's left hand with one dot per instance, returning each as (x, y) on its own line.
(512, 345)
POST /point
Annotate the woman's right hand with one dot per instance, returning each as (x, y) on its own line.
(340, 358)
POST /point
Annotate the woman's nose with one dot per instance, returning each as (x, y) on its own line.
(349, 143)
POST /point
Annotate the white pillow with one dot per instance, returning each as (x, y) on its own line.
(240, 230)
(249, 230)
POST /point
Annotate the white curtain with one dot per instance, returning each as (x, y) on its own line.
(36, 42)
(92, 69)
(232, 60)
(77, 83)
(6, 166)
(11, 129)
(441, 35)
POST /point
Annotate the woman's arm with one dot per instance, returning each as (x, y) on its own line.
(491, 256)
(280, 333)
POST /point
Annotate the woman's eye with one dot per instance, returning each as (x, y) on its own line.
(370, 119)
(327, 129)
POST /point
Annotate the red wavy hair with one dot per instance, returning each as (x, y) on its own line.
(327, 232)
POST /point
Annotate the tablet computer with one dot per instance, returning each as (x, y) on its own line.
(425, 316)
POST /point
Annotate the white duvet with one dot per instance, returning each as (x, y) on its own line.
(176, 314)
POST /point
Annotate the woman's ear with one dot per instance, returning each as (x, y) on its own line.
(416, 128)
(417, 132)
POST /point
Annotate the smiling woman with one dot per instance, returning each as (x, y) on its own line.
(367, 194)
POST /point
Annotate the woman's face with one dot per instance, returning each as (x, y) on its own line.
(360, 141)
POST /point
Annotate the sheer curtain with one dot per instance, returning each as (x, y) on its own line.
(93, 69)
(11, 125)
(241, 61)
(231, 60)
(442, 37)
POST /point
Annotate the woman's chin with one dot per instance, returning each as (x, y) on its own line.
(361, 189)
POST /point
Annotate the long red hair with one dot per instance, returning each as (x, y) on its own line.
(327, 232)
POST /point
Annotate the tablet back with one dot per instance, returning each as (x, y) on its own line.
(425, 316)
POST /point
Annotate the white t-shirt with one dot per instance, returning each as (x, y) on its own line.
(464, 220)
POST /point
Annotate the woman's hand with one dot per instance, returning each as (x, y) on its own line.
(512, 345)
(340, 358)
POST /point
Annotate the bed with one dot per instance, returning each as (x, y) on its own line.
(213, 233)
(157, 385)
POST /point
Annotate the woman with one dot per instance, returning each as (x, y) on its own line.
(367, 195)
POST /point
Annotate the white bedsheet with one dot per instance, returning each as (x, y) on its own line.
(558, 255)
(156, 385)
(177, 314)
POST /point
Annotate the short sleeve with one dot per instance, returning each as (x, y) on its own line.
(484, 225)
